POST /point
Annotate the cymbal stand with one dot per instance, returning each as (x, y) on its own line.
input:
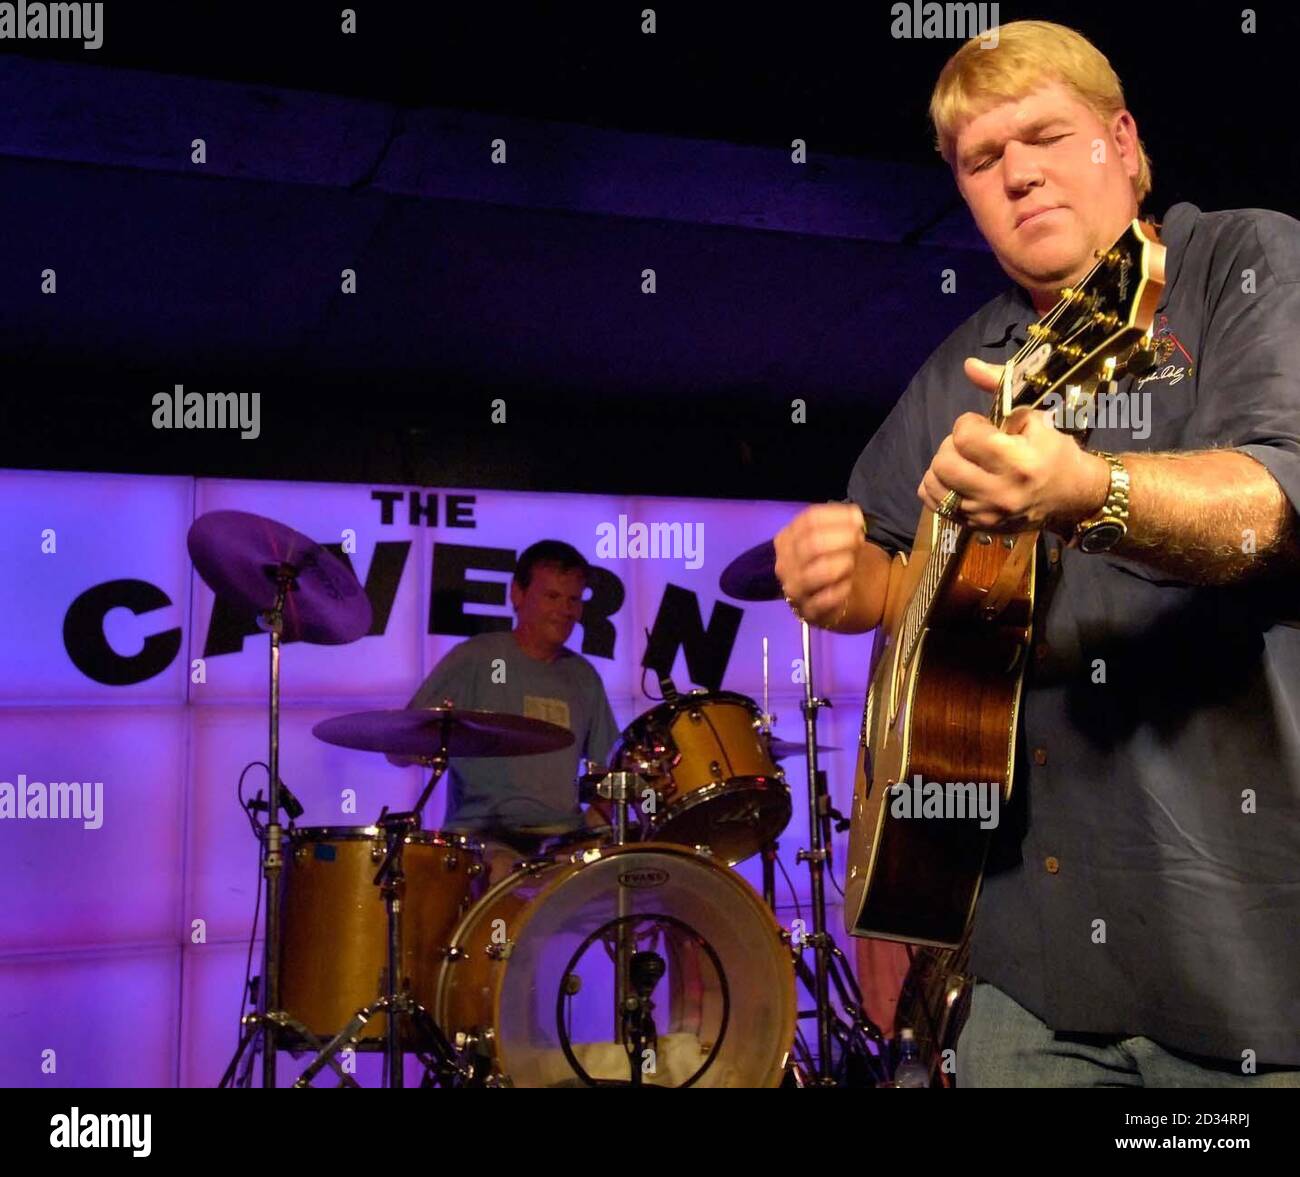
(829, 963)
(816, 860)
(262, 1028)
(766, 722)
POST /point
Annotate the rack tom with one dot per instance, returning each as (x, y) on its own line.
(715, 781)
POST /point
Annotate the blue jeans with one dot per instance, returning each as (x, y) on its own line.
(1004, 1045)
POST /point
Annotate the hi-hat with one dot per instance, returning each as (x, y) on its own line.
(433, 731)
(239, 556)
(784, 749)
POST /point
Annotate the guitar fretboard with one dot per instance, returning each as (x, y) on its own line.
(951, 540)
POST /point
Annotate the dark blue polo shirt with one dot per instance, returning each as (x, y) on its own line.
(1145, 879)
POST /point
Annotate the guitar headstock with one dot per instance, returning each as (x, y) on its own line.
(1099, 331)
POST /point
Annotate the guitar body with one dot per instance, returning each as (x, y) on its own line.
(949, 714)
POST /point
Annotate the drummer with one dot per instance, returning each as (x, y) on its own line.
(515, 803)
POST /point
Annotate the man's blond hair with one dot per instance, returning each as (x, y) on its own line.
(1029, 53)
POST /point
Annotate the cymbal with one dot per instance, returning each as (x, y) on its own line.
(239, 555)
(784, 749)
(751, 576)
(427, 731)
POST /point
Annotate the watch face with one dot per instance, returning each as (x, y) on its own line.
(1101, 537)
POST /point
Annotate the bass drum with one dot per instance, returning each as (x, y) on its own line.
(531, 975)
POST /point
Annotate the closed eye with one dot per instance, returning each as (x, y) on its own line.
(988, 161)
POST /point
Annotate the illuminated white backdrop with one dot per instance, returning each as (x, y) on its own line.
(99, 962)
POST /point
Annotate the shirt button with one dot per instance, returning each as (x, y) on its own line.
(1052, 865)
(1040, 755)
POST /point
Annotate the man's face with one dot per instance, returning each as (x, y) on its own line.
(551, 605)
(1047, 150)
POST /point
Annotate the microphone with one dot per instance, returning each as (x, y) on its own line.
(292, 806)
(645, 970)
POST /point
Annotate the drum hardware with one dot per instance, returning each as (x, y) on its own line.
(752, 577)
(252, 1024)
(297, 591)
(622, 789)
(830, 965)
(441, 1066)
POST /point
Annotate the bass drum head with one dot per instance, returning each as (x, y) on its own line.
(724, 1008)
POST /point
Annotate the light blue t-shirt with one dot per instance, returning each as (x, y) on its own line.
(491, 673)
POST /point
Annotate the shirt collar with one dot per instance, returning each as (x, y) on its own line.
(1175, 232)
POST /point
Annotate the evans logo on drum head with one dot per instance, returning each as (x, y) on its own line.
(642, 879)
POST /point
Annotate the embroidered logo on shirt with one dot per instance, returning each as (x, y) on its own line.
(1166, 345)
(550, 710)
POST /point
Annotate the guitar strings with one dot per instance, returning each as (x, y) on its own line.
(1049, 321)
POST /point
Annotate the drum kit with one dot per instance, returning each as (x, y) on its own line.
(628, 954)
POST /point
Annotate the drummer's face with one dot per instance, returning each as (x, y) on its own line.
(551, 605)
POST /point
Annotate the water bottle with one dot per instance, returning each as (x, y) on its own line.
(910, 1071)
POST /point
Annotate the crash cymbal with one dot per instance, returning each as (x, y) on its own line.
(784, 749)
(240, 555)
(751, 576)
(428, 731)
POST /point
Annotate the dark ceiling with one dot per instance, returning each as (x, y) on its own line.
(477, 282)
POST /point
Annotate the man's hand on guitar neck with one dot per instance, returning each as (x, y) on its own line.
(1188, 511)
(1022, 477)
(831, 575)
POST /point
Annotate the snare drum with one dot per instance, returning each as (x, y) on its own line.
(530, 978)
(715, 781)
(334, 929)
